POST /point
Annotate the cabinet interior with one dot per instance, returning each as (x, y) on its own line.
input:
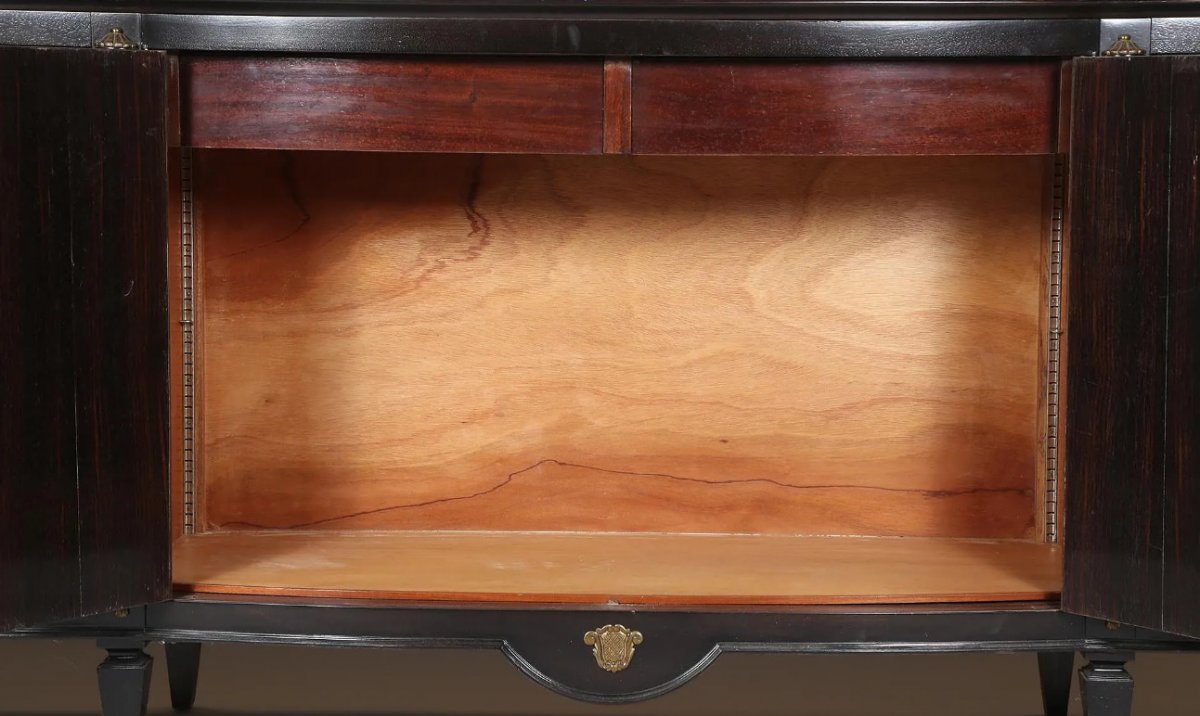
(660, 380)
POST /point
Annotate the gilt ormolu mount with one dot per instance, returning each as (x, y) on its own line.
(613, 646)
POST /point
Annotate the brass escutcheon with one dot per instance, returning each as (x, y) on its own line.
(612, 645)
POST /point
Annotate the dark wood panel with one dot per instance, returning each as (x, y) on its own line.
(1181, 582)
(83, 475)
(39, 533)
(1063, 140)
(427, 105)
(1116, 332)
(906, 107)
(121, 331)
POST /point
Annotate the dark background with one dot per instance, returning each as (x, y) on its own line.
(47, 677)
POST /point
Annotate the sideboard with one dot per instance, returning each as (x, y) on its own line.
(614, 335)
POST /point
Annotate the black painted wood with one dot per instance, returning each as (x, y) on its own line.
(1055, 671)
(1105, 687)
(712, 28)
(646, 33)
(536, 641)
(124, 678)
(1115, 339)
(183, 672)
(66, 29)
(83, 415)
(1181, 580)
(1175, 35)
(548, 646)
(709, 28)
(835, 9)
(633, 36)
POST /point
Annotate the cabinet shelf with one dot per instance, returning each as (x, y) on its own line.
(625, 568)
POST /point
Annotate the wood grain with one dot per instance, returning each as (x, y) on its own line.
(122, 392)
(37, 423)
(608, 568)
(1063, 112)
(1181, 557)
(420, 105)
(618, 117)
(695, 345)
(84, 410)
(844, 108)
(1113, 432)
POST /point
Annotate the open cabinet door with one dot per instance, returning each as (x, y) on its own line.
(83, 333)
(1132, 515)
(1181, 544)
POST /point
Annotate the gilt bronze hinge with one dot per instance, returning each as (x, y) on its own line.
(116, 39)
(1124, 47)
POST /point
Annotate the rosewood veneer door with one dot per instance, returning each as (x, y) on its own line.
(83, 333)
(1132, 516)
(1181, 543)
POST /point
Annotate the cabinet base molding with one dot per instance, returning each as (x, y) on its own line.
(545, 641)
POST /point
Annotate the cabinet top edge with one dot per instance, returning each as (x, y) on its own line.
(615, 28)
(712, 9)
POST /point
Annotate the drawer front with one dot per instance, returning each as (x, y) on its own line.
(610, 656)
(846, 108)
(423, 105)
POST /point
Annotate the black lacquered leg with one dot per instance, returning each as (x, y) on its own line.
(1056, 669)
(124, 678)
(183, 668)
(1105, 686)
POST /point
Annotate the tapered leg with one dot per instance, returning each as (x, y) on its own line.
(183, 668)
(124, 678)
(1056, 669)
(1104, 684)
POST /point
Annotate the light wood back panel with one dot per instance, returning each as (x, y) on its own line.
(746, 345)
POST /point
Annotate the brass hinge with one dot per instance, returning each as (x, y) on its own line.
(1124, 47)
(116, 39)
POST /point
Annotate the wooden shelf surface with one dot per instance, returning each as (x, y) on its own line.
(616, 568)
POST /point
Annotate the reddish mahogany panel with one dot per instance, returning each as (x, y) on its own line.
(855, 108)
(618, 84)
(418, 105)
